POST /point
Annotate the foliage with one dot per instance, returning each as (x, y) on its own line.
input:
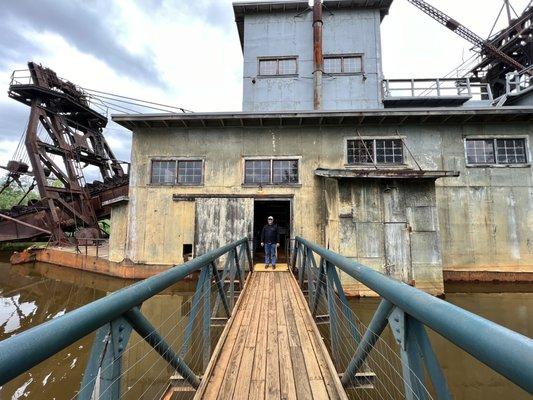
(12, 194)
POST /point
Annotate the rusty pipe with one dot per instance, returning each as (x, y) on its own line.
(318, 58)
(3, 216)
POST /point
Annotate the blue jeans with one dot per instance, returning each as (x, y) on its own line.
(270, 253)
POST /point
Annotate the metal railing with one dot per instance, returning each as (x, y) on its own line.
(408, 310)
(114, 317)
(517, 82)
(437, 87)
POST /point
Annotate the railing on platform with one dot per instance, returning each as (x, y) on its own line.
(407, 310)
(438, 87)
(114, 316)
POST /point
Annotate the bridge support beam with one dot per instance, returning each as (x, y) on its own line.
(149, 333)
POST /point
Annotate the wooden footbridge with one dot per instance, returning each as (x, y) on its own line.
(287, 334)
(271, 347)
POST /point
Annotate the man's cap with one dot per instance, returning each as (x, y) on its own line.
(271, 217)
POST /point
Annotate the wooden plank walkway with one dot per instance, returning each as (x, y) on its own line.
(271, 347)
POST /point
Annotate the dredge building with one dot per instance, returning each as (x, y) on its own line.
(415, 178)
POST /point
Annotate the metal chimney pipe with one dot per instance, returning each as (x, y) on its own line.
(318, 57)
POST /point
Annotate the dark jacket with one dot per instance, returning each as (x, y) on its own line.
(270, 234)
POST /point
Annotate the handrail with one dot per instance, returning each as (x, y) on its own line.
(505, 351)
(25, 350)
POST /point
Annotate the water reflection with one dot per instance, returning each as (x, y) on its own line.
(30, 295)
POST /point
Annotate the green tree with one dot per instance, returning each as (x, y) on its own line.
(12, 194)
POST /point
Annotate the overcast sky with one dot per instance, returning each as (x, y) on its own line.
(187, 52)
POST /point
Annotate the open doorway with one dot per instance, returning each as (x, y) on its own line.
(281, 211)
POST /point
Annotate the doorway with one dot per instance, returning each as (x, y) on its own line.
(281, 211)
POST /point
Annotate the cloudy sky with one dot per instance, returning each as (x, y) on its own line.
(186, 52)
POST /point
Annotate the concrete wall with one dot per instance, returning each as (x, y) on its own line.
(485, 216)
(287, 34)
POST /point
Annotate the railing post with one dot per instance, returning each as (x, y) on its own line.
(320, 282)
(249, 255)
(413, 375)
(220, 288)
(333, 322)
(303, 266)
(105, 361)
(438, 87)
(206, 331)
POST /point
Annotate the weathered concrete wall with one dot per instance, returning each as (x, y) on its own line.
(286, 34)
(485, 216)
(119, 230)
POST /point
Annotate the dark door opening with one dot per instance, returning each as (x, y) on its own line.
(281, 211)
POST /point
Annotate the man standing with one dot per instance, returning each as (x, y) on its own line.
(270, 241)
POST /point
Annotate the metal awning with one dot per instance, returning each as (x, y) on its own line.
(395, 116)
(383, 173)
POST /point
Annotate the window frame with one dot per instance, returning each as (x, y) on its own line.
(177, 161)
(371, 164)
(494, 139)
(271, 180)
(342, 56)
(277, 59)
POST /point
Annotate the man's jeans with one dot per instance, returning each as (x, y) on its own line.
(270, 253)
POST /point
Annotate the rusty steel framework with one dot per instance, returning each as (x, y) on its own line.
(63, 136)
(508, 51)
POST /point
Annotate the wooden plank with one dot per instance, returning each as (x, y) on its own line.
(272, 354)
(244, 378)
(286, 373)
(303, 389)
(333, 385)
(220, 355)
(230, 377)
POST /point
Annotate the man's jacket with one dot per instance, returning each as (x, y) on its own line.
(270, 234)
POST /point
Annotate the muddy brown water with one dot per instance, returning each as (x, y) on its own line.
(33, 294)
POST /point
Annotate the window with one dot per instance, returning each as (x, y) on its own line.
(190, 172)
(496, 151)
(181, 172)
(272, 171)
(343, 64)
(163, 172)
(383, 151)
(281, 66)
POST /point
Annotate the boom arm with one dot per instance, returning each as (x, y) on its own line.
(465, 33)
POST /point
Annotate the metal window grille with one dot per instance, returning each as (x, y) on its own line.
(190, 172)
(511, 151)
(389, 151)
(496, 151)
(360, 151)
(278, 66)
(480, 151)
(257, 171)
(350, 64)
(163, 172)
(383, 151)
(287, 66)
(332, 65)
(285, 171)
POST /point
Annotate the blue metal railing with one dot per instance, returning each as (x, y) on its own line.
(407, 310)
(114, 316)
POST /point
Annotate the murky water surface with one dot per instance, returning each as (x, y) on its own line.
(31, 295)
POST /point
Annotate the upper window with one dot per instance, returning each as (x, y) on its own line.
(190, 172)
(278, 66)
(370, 151)
(273, 171)
(496, 151)
(181, 172)
(343, 64)
(163, 172)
